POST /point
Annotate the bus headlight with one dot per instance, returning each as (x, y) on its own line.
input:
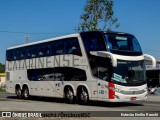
(146, 89)
(116, 96)
(111, 88)
(115, 89)
(118, 90)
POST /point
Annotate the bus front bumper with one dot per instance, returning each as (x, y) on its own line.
(118, 97)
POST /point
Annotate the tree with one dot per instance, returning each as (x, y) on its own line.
(2, 68)
(98, 15)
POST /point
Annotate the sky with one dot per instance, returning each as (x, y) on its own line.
(44, 19)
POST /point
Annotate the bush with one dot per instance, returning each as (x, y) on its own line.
(2, 89)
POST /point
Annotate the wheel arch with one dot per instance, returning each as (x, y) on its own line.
(18, 85)
(25, 85)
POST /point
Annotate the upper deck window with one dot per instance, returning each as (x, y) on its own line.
(93, 41)
(52, 48)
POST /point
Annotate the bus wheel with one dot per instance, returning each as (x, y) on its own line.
(69, 96)
(25, 93)
(19, 92)
(83, 96)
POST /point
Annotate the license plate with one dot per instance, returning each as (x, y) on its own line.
(133, 98)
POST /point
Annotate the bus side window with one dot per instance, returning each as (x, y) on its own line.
(59, 48)
(12, 55)
(94, 44)
(22, 53)
(33, 53)
(15, 55)
(28, 53)
(73, 47)
(70, 48)
(9, 56)
(53, 49)
(87, 45)
(40, 52)
(43, 51)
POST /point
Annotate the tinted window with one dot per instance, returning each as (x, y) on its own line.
(57, 74)
(72, 47)
(93, 41)
(43, 50)
(101, 67)
(58, 47)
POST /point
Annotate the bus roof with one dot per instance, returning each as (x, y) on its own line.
(110, 32)
(66, 36)
(119, 33)
(43, 41)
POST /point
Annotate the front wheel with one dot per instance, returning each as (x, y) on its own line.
(83, 96)
(25, 93)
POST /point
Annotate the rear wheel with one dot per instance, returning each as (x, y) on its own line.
(18, 92)
(69, 95)
(25, 93)
(83, 96)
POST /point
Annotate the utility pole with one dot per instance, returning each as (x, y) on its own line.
(27, 37)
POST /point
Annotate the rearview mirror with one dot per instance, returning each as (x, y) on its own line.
(106, 55)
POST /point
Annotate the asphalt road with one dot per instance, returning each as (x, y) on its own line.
(9, 102)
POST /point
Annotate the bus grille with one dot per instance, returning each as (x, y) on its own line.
(133, 92)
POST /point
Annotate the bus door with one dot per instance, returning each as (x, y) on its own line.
(42, 88)
(34, 88)
(59, 84)
(50, 88)
(37, 82)
(102, 78)
(102, 90)
(50, 85)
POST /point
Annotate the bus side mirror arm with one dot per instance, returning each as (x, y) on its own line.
(106, 55)
(149, 57)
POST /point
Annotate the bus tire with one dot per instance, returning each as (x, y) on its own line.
(69, 95)
(82, 95)
(18, 92)
(25, 93)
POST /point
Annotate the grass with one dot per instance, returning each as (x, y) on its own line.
(2, 89)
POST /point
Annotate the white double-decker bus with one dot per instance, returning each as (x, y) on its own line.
(102, 66)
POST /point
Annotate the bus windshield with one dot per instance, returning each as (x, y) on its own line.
(123, 44)
(129, 73)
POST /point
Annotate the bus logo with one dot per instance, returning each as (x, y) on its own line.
(6, 114)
